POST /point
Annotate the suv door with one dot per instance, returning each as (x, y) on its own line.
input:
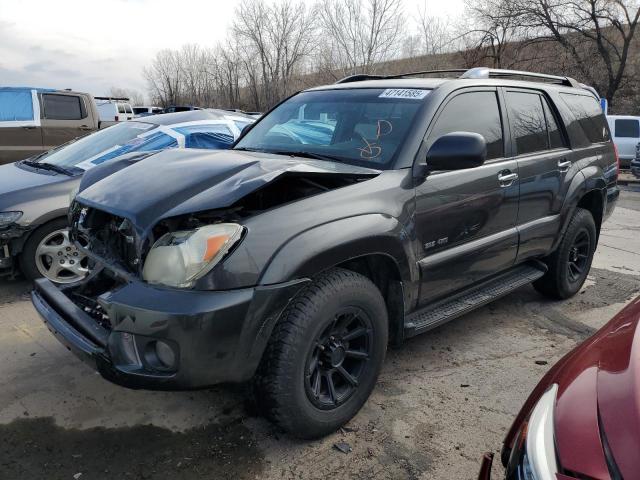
(466, 219)
(64, 117)
(544, 166)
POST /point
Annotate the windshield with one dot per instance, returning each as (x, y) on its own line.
(91, 145)
(360, 126)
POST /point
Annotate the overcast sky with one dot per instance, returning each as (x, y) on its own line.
(91, 45)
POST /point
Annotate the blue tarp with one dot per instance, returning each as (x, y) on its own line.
(16, 105)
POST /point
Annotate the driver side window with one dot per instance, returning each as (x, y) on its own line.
(476, 112)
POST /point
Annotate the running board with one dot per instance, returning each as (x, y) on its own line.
(478, 295)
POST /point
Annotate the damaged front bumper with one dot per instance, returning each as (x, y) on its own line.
(159, 338)
(12, 239)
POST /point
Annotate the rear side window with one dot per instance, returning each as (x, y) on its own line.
(556, 139)
(528, 123)
(62, 107)
(626, 128)
(127, 108)
(475, 112)
(589, 115)
(121, 108)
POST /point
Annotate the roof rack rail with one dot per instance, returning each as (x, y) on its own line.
(363, 76)
(484, 72)
(477, 72)
(124, 99)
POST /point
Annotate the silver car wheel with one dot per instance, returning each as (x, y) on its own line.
(59, 260)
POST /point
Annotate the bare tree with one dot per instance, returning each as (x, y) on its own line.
(596, 35)
(434, 33)
(357, 35)
(164, 78)
(274, 40)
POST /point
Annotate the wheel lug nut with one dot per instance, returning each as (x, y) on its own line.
(59, 253)
(75, 254)
(68, 249)
(71, 262)
(61, 261)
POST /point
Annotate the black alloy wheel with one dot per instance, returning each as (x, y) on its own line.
(338, 359)
(578, 259)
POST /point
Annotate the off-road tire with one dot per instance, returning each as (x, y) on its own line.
(280, 387)
(557, 282)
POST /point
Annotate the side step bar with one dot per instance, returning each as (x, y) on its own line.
(478, 295)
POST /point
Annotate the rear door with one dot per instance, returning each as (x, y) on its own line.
(64, 117)
(545, 165)
(466, 219)
(20, 132)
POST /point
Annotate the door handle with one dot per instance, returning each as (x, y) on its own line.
(507, 178)
(29, 127)
(85, 127)
(564, 165)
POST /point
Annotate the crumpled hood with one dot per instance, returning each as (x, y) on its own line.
(19, 185)
(599, 396)
(177, 182)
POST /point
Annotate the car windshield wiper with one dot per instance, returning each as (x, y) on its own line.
(49, 166)
(313, 155)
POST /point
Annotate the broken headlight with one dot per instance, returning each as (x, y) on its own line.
(7, 218)
(178, 259)
(534, 453)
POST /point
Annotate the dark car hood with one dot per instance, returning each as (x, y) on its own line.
(181, 181)
(19, 185)
(599, 397)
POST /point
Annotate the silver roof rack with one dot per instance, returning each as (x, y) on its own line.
(484, 72)
(477, 72)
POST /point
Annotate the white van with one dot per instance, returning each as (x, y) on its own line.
(113, 110)
(626, 135)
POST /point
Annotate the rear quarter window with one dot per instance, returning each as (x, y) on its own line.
(627, 128)
(589, 116)
(62, 107)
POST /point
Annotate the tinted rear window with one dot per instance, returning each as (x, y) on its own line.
(62, 107)
(626, 128)
(589, 115)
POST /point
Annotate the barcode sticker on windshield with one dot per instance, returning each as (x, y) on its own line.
(406, 93)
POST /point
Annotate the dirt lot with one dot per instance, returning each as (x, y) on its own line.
(442, 400)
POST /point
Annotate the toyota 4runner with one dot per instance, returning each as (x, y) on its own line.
(351, 216)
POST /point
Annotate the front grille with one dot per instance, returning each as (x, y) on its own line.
(110, 237)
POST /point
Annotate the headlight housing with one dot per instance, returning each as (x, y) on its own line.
(534, 452)
(178, 259)
(7, 218)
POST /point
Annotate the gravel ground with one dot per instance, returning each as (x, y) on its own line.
(443, 399)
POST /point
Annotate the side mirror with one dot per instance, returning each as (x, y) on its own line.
(454, 151)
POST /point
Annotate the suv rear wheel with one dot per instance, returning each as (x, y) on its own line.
(569, 265)
(324, 355)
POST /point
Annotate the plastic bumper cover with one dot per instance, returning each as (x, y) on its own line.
(216, 336)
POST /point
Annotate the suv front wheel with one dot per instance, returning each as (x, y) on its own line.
(324, 355)
(569, 265)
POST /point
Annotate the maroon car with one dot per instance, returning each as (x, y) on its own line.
(582, 421)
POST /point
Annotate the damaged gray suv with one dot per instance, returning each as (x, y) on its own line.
(349, 217)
